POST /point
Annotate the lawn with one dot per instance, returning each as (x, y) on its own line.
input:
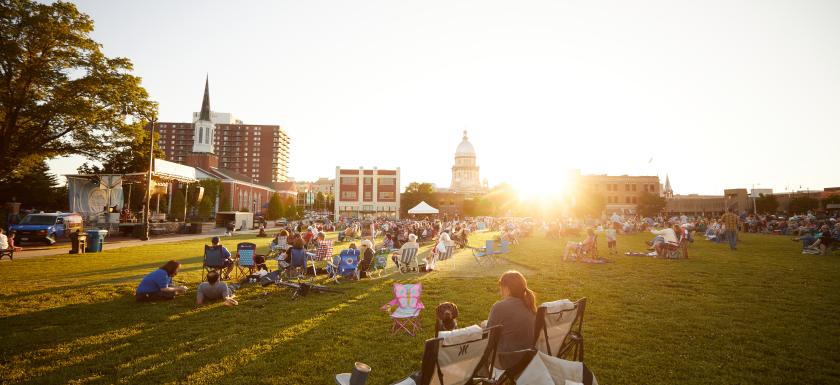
(763, 314)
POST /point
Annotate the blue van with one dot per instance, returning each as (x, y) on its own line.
(47, 227)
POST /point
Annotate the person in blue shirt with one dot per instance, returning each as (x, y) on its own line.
(158, 284)
(228, 261)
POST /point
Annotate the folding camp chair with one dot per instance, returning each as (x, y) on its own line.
(347, 265)
(323, 252)
(245, 259)
(676, 251)
(8, 253)
(484, 256)
(537, 367)
(406, 315)
(450, 250)
(380, 263)
(407, 258)
(299, 261)
(559, 327)
(213, 261)
(457, 357)
(503, 247)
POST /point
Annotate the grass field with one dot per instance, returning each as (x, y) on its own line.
(764, 314)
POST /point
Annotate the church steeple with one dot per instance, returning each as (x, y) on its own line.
(205, 104)
(204, 131)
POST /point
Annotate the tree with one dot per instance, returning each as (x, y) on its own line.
(208, 202)
(330, 202)
(133, 157)
(320, 201)
(766, 204)
(803, 204)
(35, 188)
(275, 207)
(59, 94)
(415, 193)
(650, 204)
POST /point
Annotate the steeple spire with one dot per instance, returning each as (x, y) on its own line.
(205, 104)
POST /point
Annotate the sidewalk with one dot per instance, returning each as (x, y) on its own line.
(120, 242)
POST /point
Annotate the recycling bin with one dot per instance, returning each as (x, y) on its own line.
(95, 240)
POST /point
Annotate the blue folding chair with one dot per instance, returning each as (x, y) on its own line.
(245, 252)
(299, 260)
(484, 255)
(213, 260)
(348, 265)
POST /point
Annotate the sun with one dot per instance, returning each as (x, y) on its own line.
(536, 183)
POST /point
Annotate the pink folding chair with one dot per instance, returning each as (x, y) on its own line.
(406, 315)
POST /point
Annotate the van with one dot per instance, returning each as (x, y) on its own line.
(47, 227)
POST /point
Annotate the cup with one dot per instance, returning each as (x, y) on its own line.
(360, 374)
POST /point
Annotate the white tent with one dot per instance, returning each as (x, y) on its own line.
(423, 208)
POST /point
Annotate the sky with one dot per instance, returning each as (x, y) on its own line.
(716, 94)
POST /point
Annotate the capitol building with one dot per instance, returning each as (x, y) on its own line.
(465, 177)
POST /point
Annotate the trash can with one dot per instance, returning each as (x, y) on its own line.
(95, 241)
(195, 227)
(78, 243)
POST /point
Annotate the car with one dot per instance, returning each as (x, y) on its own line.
(281, 222)
(47, 227)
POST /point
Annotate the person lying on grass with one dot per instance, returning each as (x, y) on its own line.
(516, 311)
(213, 290)
(157, 285)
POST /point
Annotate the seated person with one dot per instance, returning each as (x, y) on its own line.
(332, 268)
(226, 258)
(366, 258)
(411, 244)
(158, 284)
(807, 237)
(262, 232)
(516, 311)
(824, 242)
(388, 243)
(213, 290)
(298, 252)
(669, 240)
(11, 242)
(576, 248)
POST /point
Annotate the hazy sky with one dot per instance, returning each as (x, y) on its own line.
(719, 93)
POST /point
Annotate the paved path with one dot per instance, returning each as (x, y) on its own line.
(121, 242)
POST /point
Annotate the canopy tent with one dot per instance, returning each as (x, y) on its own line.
(423, 208)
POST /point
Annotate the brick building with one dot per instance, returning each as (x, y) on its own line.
(367, 193)
(622, 192)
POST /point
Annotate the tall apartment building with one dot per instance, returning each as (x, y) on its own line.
(367, 193)
(257, 151)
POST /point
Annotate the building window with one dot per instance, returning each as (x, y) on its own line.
(627, 187)
(634, 188)
(368, 195)
(387, 181)
(368, 181)
(349, 180)
(386, 195)
(348, 195)
(634, 200)
(626, 199)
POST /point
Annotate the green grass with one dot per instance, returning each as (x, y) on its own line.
(764, 314)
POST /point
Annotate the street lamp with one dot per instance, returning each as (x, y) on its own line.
(147, 212)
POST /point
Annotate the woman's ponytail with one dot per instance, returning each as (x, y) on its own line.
(518, 287)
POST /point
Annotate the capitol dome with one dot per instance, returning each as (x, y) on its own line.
(465, 148)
